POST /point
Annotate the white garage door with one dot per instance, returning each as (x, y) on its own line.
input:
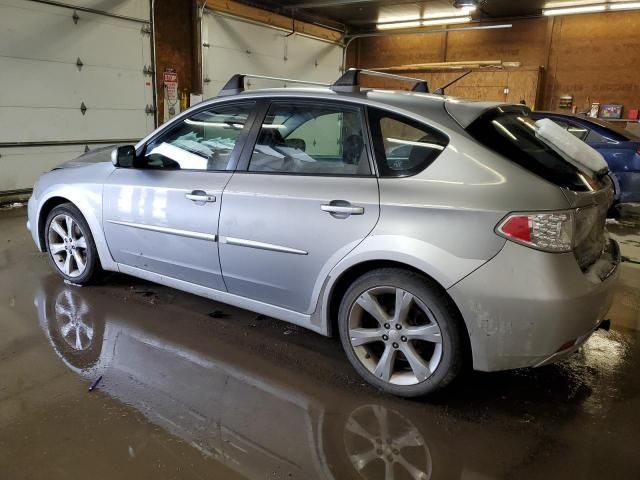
(71, 78)
(232, 45)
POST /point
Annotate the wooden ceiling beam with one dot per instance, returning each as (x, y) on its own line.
(274, 19)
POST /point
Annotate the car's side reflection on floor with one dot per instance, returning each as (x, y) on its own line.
(215, 400)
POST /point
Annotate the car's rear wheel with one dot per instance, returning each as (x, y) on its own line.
(401, 332)
(72, 250)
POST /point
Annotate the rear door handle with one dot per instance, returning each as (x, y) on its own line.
(200, 196)
(342, 209)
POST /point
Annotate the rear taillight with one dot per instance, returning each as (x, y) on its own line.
(548, 231)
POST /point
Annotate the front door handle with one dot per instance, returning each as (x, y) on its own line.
(200, 196)
(341, 208)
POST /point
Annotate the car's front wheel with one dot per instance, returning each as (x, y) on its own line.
(71, 247)
(400, 332)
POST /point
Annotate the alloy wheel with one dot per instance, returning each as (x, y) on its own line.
(394, 335)
(67, 245)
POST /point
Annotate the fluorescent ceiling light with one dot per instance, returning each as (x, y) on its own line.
(404, 18)
(449, 14)
(554, 9)
(394, 25)
(447, 20)
(423, 23)
(573, 10)
(439, 18)
(624, 6)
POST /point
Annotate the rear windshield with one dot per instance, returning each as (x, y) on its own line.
(511, 133)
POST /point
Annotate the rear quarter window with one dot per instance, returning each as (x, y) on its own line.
(403, 146)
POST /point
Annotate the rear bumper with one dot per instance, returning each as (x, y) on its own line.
(569, 350)
(528, 308)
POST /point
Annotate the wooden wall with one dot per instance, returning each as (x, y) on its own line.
(523, 83)
(175, 45)
(594, 57)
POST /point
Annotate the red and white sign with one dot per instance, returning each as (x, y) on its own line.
(171, 97)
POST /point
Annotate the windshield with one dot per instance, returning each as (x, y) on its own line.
(511, 133)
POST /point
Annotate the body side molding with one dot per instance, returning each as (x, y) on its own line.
(172, 231)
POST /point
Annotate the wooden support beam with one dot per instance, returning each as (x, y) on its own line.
(274, 19)
(443, 66)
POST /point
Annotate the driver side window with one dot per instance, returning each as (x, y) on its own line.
(204, 141)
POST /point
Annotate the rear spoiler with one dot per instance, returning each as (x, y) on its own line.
(465, 113)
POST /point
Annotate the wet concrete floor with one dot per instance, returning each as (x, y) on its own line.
(184, 395)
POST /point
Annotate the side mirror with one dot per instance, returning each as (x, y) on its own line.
(123, 156)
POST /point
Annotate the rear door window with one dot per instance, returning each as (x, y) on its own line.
(403, 146)
(511, 133)
(311, 139)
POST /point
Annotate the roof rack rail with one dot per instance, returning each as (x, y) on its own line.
(350, 80)
(235, 84)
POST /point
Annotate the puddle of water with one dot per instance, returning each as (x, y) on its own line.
(186, 395)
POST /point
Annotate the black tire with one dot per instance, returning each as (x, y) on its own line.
(614, 212)
(92, 268)
(451, 353)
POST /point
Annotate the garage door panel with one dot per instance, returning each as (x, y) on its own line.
(39, 47)
(17, 124)
(66, 87)
(28, 163)
(244, 64)
(127, 8)
(223, 32)
(318, 63)
(271, 53)
(321, 60)
(134, 9)
(51, 35)
(214, 87)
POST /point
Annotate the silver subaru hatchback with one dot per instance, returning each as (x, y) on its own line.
(428, 232)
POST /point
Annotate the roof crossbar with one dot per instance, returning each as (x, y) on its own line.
(350, 80)
(235, 84)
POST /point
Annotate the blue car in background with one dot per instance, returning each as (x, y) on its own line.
(620, 149)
